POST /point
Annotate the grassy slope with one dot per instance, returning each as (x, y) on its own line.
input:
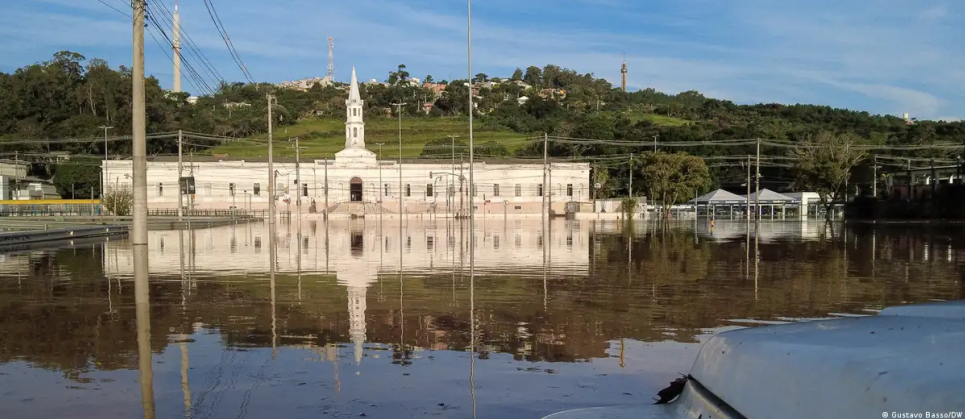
(657, 119)
(325, 137)
(322, 137)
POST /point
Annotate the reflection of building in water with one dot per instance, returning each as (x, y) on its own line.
(356, 274)
(359, 251)
(360, 245)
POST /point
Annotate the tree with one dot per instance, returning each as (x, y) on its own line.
(428, 78)
(118, 201)
(534, 76)
(517, 75)
(823, 165)
(671, 178)
(480, 78)
(76, 179)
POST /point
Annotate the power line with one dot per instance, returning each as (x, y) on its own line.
(116, 9)
(192, 47)
(213, 13)
(201, 84)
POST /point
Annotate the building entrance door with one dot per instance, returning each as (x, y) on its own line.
(355, 190)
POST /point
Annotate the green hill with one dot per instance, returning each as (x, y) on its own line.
(325, 137)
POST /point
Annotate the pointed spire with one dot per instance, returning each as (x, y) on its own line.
(353, 93)
(175, 6)
(358, 351)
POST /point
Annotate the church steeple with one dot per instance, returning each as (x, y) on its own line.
(354, 124)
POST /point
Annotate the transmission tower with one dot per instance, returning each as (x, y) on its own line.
(331, 59)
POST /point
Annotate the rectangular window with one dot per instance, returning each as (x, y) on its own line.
(474, 189)
(539, 189)
(256, 189)
(279, 187)
(231, 189)
(519, 190)
(386, 187)
(304, 189)
(160, 189)
(428, 189)
(495, 189)
(452, 190)
(569, 189)
(408, 189)
(207, 189)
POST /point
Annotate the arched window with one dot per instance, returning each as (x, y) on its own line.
(355, 132)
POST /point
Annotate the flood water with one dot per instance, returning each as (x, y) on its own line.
(362, 320)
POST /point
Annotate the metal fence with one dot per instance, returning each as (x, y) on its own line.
(48, 207)
(208, 213)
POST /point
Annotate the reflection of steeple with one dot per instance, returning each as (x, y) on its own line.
(356, 274)
(356, 313)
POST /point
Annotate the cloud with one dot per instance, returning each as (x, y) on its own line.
(861, 54)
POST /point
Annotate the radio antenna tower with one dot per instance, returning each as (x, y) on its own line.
(331, 59)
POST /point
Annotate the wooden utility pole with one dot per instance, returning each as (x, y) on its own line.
(398, 109)
(298, 177)
(16, 173)
(451, 184)
(271, 169)
(139, 132)
(757, 181)
(874, 176)
(326, 198)
(105, 179)
(180, 176)
(142, 298)
(748, 196)
(545, 210)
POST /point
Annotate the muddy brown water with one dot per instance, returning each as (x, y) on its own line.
(590, 313)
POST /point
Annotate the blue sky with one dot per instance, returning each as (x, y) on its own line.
(881, 56)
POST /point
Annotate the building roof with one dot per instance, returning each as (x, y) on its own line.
(353, 92)
(770, 197)
(718, 197)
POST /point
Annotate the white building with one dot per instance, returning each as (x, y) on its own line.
(359, 182)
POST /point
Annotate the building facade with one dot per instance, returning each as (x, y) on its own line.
(357, 180)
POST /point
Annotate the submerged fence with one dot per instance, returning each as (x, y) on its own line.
(46, 207)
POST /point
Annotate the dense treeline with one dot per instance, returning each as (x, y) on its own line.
(71, 97)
